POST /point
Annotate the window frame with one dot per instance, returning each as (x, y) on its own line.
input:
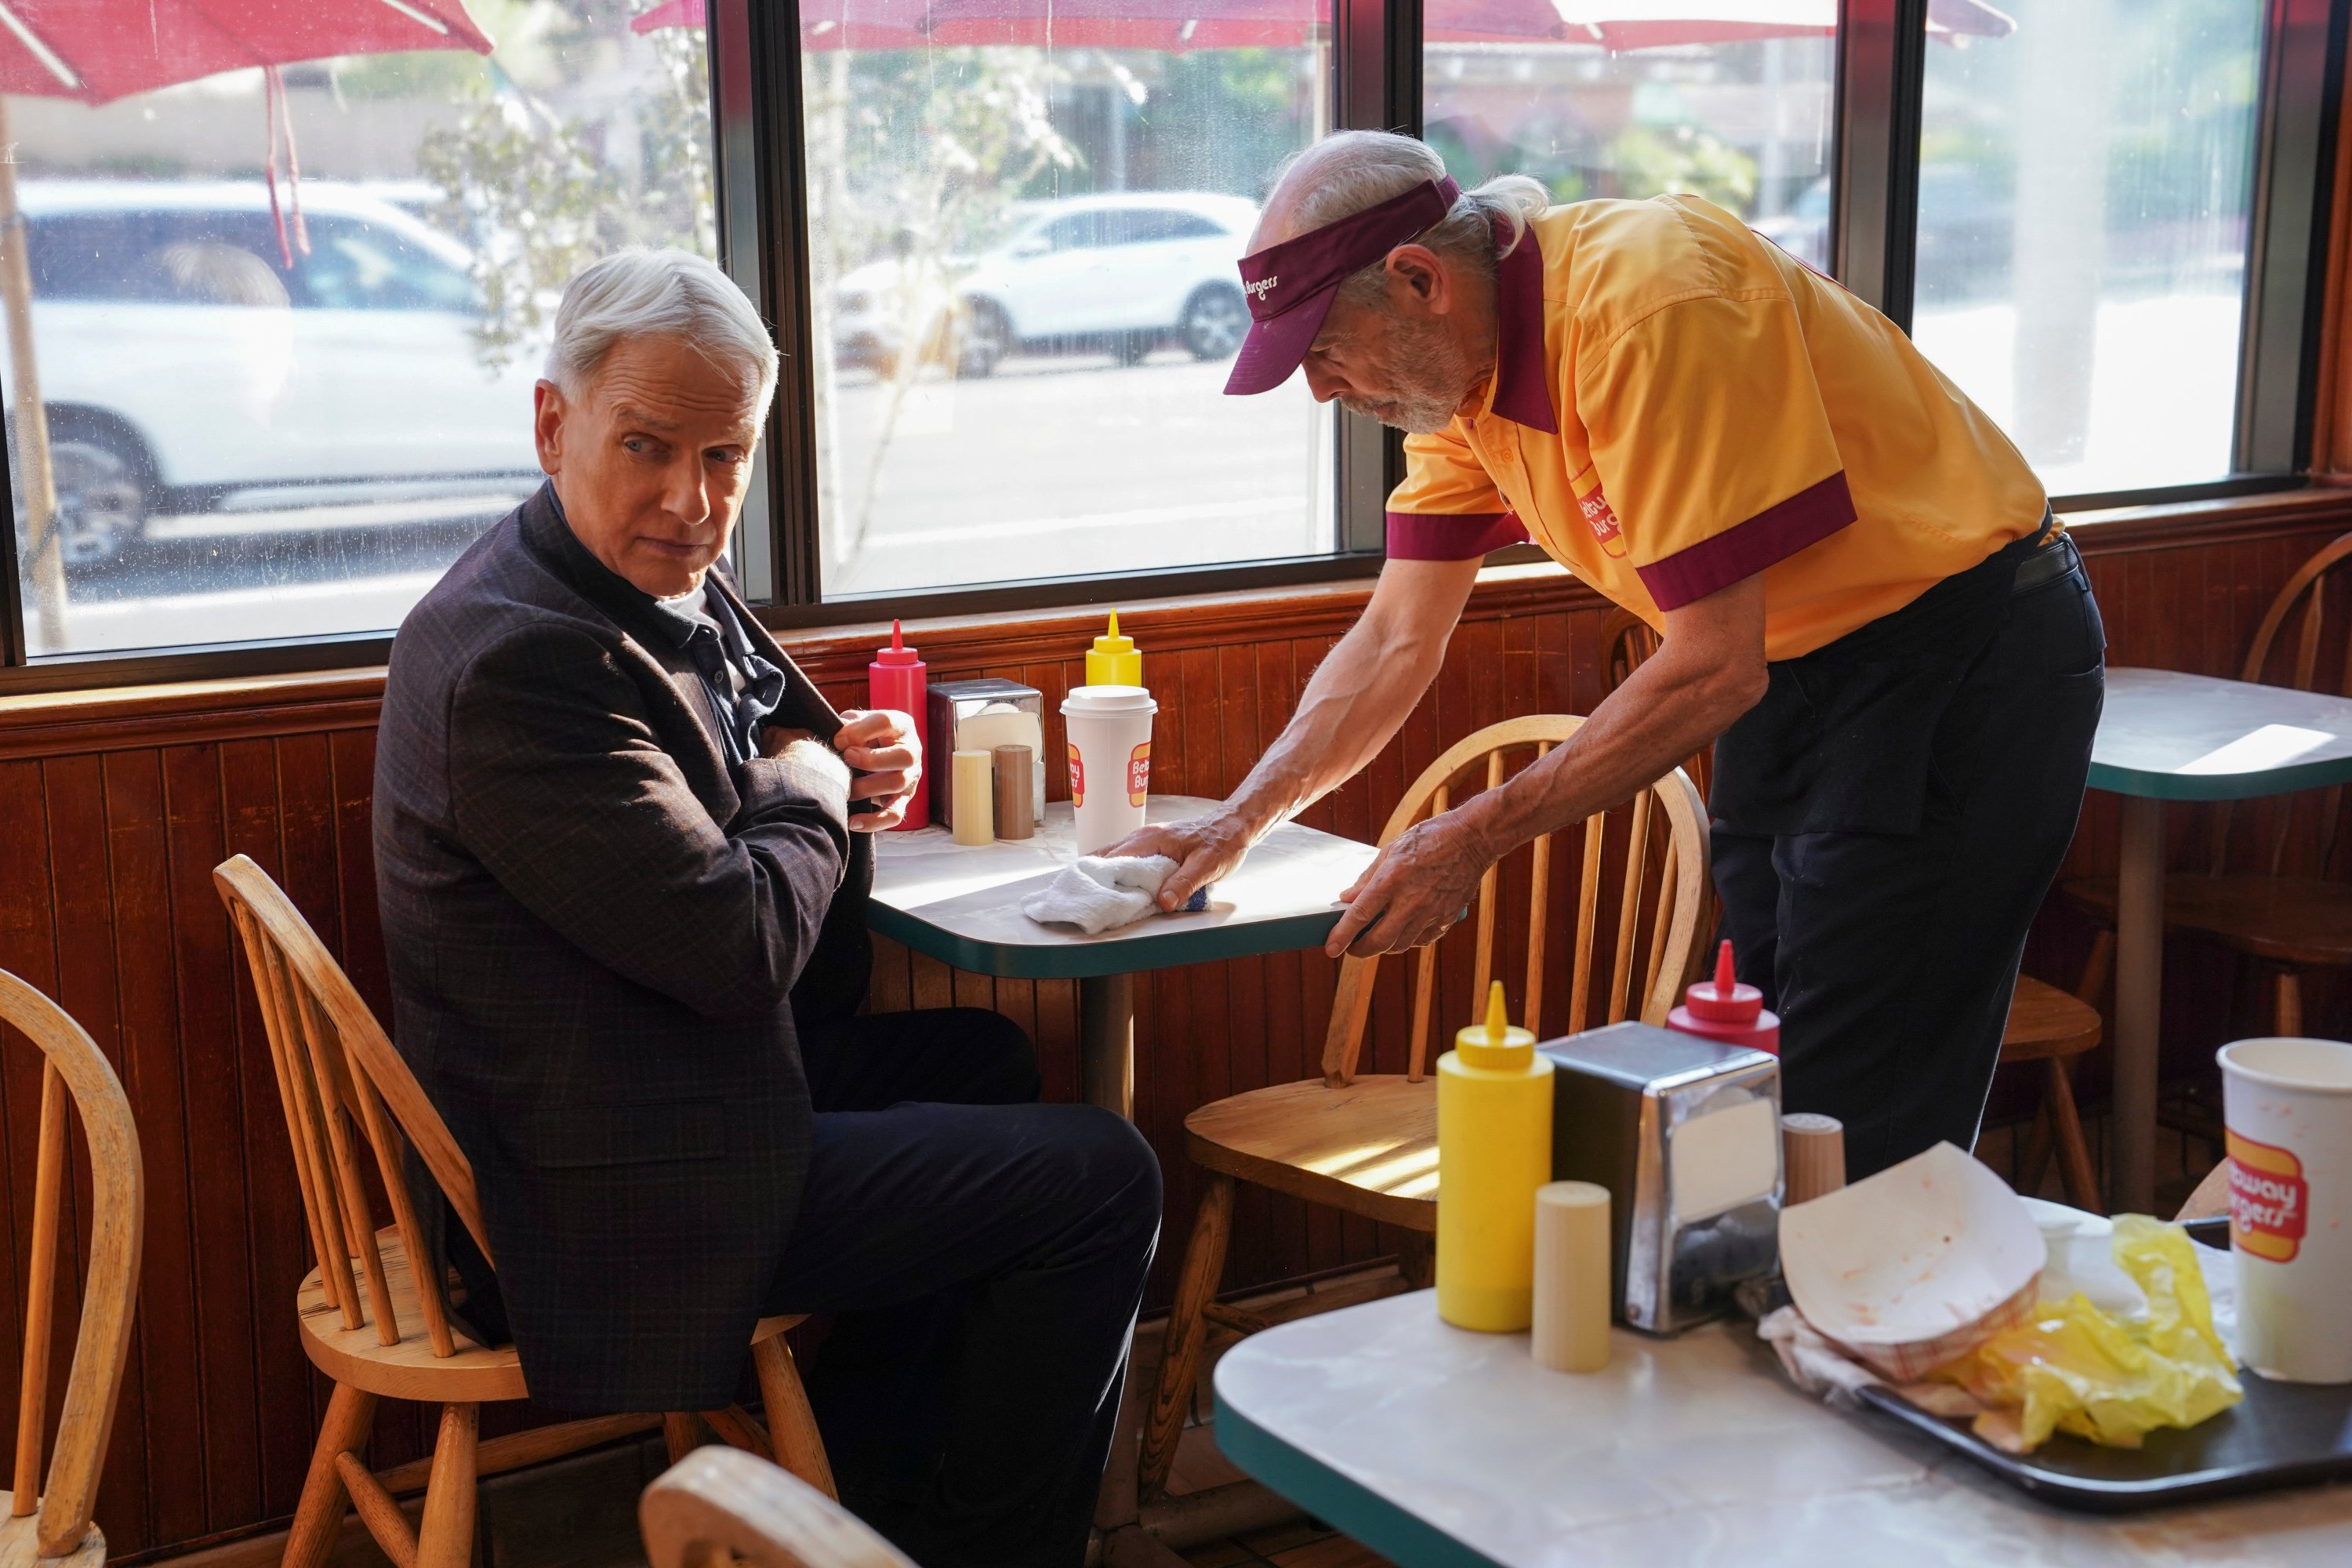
(759, 170)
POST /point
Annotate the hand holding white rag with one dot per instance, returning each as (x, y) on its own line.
(1096, 893)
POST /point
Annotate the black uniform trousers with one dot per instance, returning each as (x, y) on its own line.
(1887, 822)
(984, 1258)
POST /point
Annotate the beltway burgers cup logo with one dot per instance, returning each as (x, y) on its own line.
(1077, 779)
(1599, 516)
(1138, 773)
(2270, 1202)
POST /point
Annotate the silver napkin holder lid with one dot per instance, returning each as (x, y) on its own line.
(1684, 1132)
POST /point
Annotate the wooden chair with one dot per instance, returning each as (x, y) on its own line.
(1367, 1144)
(2045, 1024)
(2291, 925)
(717, 1508)
(387, 1333)
(53, 1520)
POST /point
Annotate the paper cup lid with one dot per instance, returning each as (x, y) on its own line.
(1108, 699)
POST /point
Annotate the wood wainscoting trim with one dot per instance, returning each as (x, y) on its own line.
(47, 724)
(126, 718)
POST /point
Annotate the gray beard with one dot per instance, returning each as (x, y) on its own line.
(1432, 377)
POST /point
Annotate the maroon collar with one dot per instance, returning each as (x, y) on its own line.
(1521, 393)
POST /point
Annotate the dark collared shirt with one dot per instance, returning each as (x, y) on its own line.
(740, 687)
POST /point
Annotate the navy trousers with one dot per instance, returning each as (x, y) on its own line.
(1885, 921)
(983, 1257)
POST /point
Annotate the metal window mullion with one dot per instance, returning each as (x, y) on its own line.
(756, 66)
(1376, 57)
(1882, 65)
(12, 649)
(2286, 260)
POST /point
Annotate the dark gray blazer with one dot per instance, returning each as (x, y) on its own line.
(600, 935)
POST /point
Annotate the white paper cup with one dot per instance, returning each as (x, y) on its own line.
(2288, 1107)
(1110, 760)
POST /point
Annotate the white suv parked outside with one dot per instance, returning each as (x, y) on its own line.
(1121, 273)
(186, 368)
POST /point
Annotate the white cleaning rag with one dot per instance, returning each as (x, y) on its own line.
(1096, 893)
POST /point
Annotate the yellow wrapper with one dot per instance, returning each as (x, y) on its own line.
(2070, 1367)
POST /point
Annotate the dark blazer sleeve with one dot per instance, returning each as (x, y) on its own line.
(559, 786)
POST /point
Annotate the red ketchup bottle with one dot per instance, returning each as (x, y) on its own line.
(896, 681)
(1727, 1011)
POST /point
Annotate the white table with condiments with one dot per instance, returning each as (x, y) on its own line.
(1441, 1448)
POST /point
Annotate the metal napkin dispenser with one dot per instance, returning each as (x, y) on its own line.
(1686, 1134)
(980, 716)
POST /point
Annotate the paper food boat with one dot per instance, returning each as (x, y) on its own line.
(1915, 1265)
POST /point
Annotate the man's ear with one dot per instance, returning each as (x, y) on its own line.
(547, 412)
(1418, 270)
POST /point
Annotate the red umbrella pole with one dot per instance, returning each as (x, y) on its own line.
(46, 560)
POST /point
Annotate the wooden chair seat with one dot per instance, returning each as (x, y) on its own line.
(1368, 1147)
(409, 1369)
(20, 1548)
(2299, 920)
(2045, 1022)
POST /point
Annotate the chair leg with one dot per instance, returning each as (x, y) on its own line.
(2098, 968)
(2289, 1007)
(1417, 1260)
(792, 1425)
(445, 1537)
(319, 1514)
(2074, 1167)
(1180, 1355)
(682, 1430)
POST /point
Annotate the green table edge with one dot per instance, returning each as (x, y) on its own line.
(2154, 785)
(1401, 1537)
(1096, 959)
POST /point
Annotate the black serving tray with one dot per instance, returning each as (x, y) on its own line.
(2282, 1434)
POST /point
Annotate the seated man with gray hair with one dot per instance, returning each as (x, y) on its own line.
(624, 852)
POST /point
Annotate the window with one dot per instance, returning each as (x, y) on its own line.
(2086, 190)
(997, 247)
(285, 423)
(1699, 106)
(1020, 264)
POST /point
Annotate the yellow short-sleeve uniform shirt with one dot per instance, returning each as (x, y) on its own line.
(1678, 404)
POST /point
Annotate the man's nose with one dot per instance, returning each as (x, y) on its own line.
(1324, 383)
(686, 500)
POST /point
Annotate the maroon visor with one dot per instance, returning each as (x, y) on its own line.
(1290, 286)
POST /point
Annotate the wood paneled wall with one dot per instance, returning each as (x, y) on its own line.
(114, 807)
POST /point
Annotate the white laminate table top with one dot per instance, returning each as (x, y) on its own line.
(961, 904)
(1444, 1449)
(2175, 736)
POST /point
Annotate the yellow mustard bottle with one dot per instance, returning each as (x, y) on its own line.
(1114, 660)
(1494, 1150)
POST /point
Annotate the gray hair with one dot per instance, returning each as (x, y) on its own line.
(643, 293)
(1358, 169)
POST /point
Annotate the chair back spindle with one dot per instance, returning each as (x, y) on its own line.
(2304, 602)
(1663, 873)
(74, 1069)
(343, 1086)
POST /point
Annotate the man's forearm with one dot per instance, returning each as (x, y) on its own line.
(1361, 694)
(1667, 709)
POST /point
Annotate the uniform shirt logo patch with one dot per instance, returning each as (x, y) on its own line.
(1600, 517)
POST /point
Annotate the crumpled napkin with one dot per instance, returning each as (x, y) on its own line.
(1099, 893)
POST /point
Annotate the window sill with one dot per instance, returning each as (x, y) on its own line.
(45, 707)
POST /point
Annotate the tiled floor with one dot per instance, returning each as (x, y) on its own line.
(1308, 1545)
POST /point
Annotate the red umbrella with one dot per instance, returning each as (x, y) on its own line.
(97, 50)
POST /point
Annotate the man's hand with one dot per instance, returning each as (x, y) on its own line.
(1205, 848)
(1421, 884)
(885, 760)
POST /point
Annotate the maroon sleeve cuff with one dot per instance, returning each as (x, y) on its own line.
(1740, 551)
(1451, 536)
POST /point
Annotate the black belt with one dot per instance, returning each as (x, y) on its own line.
(2049, 562)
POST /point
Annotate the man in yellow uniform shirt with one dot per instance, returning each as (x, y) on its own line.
(1865, 603)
